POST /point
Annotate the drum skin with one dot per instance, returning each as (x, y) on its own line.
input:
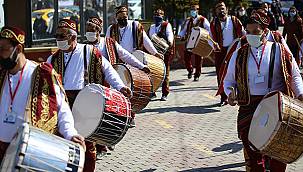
(101, 114)
(284, 140)
(140, 84)
(33, 149)
(156, 66)
(198, 42)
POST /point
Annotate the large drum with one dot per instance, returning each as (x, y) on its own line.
(101, 114)
(199, 42)
(35, 150)
(156, 66)
(277, 127)
(160, 44)
(139, 82)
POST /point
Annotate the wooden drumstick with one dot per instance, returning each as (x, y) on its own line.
(233, 94)
(214, 42)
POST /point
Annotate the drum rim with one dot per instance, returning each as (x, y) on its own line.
(98, 86)
(131, 77)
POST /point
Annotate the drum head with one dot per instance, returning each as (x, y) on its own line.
(140, 55)
(265, 122)
(124, 74)
(11, 157)
(88, 109)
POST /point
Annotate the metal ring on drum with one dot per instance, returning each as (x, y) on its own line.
(140, 84)
(156, 66)
(101, 114)
(33, 149)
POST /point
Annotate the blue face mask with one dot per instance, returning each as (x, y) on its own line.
(158, 20)
(292, 14)
(193, 13)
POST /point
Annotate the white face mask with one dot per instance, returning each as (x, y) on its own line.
(254, 40)
(91, 36)
(63, 45)
(241, 13)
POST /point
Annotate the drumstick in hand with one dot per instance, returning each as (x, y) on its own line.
(233, 95)
(214, 42)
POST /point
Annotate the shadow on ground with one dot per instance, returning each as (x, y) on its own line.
(185, 110)
(234, 147)
(218, 168)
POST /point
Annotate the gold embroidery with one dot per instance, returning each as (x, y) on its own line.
(45, 102)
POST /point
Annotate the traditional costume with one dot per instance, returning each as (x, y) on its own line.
(224, 33)
(132, 36)
(254, 72)
(193, 21)
(164, 30)
(33, 95)
(83, 65)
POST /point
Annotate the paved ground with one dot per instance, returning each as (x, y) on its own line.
(188, 133)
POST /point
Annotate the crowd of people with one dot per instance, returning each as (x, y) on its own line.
(251, 57)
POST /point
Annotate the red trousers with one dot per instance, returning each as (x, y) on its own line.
(165, 84)
(219, 60)
(90, 157)
(188, 63)
(3, 147)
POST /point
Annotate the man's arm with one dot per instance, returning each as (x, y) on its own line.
(128, 58)
(111, 76)
(170, 34)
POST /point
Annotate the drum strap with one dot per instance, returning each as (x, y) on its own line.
(134, 29)
(271, 65)
(85, 66)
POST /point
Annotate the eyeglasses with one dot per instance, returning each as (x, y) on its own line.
(61, 36)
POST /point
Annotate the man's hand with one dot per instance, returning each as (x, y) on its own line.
(217, 47)
(146, 69)
(159, 56)
(300, 97)
(79, 139)
(231, 100)
(126, 92)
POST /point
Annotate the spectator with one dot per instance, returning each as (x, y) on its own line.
(293, 26)
(276, 9)
(273, 22)
(39, 27)
(242, 16)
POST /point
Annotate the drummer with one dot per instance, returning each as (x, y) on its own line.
(78, 68)
(194, 20)
(164, 30)
(224, 30)
(123, 33)
(109, 48)
(22, 81)
(250, 73)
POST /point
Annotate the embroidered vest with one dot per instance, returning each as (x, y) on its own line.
(216, 30)
(137, 33)
(241, 72)
(42, 106)
(111, 51)
(94, 73)
(200, 22)
(190, 25)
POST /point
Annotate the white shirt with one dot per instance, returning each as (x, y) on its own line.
(7, 130)
(124, 55)
(262, 88)
(227, 31)
(127, 38)
(169, 32)
(206, 25)
(300, 51)
(74, 72)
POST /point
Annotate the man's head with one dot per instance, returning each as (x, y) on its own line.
(194, 10)
(94, 29)
(256, 26)
(241, 11)
(66, 35)
(122, 15)
(221, 10)
(158, 16)
(265, 7)
(12, 41)
(293, 12)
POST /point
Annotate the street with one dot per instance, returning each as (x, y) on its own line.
(187, 133)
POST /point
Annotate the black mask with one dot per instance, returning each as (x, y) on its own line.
(10, 62)
(122, 22)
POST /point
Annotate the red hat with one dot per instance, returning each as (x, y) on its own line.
(121, 9)
(96, 21)
(13, 33)
(260, 17)
(68, 24)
